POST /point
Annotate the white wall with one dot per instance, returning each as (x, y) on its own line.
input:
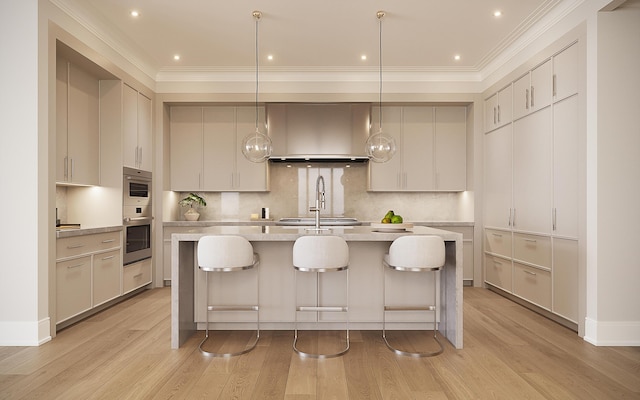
(23, 178)
(613, 317)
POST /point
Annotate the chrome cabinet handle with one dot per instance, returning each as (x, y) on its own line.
(496, 234)
(137, 275)
(494, 116)
(554, 219)
(497, 263)
(75, 246)
(499, 113)
(532, 96)
(526, 99)
(75, 266)
(107, 258)
(530, 240)
(529, 272)
(108, 241)
(66, 167)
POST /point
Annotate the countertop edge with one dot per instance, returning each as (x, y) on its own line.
(86, 231)
(194, 224)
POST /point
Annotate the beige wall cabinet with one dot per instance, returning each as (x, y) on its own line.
(77, 125)
(497, 109)
(531, 175)
(137, 151)
(431, 149)
(88, 272)
(205, 150)
(533, 91)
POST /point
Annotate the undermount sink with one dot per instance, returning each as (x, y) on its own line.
(324, 221)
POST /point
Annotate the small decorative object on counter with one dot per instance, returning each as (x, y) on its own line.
(191, 214)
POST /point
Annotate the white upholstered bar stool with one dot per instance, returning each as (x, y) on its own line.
(419, 253)
(320, 254)
(223, 254)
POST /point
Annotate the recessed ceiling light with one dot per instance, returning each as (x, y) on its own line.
(176, 57)
(135, 13)
(270, 57)
(363, 57)
(497, 13)
(457, 57)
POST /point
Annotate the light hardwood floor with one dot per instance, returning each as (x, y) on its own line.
(509, 353)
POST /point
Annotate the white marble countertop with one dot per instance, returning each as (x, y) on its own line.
(268, 222)
(71, 232)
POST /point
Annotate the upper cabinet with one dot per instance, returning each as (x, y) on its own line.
(497, 109)
(137, 150)
(205, 149)
(533, 91)
(431, 149)
(77, 125)
(566, 73)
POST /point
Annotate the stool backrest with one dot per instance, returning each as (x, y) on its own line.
(317, 252)
(417, 251)
(223, 251)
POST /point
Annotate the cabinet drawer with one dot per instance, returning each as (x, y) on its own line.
(497, 242)
(73, 287)
(498, 272)
(532, 249)
(73, 246)
(136, 275)
(532, 284)
(106, 276)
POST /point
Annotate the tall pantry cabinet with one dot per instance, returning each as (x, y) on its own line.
(531, 176)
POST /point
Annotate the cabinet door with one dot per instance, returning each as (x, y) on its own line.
(565, 73)
(504, 111)
(498, 272)
(73, 287)
(186, 148)
(565, 278)
(541, 86)
(250, 176)
(106, 276)
(522, 96)
(497, 177)
(565, 167)
(451, 148)
(145, 143)
(136, 275)
(491, 113)
(387, 176)
(83, 132)
(130, 126)
(532, 174)
(418, 164)
(62, 76)
(219, 144)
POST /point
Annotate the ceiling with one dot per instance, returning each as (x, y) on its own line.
(304, 35)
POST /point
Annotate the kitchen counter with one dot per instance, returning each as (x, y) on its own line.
(264, 222)
(274, 245)
(72, 232)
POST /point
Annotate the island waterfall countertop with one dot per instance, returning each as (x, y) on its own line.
(274, 245)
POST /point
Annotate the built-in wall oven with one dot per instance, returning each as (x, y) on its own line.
(136, 215)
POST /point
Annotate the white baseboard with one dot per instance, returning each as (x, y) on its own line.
(25, 333)
(607, 333)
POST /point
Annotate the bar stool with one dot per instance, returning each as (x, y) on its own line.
(320, 254)
(227, 254)
(410, 253)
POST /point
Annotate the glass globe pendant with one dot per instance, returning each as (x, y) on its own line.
(256, 147)
(380, 147)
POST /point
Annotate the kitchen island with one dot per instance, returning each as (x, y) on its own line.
(274, 244)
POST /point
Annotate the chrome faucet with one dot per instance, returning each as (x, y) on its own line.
(319, 200)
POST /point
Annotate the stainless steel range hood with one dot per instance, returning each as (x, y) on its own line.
(318, 131)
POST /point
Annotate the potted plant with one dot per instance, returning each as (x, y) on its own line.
(191, 214)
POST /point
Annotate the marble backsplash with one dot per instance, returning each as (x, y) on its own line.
(293, 191)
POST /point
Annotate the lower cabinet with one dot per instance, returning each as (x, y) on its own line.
(565, 278)
(73, 287)
(136, 275)
(498, 272)
(106, 276)
(532, 284)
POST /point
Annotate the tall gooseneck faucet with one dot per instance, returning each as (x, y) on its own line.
(319, 200)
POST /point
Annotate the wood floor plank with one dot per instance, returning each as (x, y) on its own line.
(510, 352)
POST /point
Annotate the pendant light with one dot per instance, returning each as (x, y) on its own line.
(381, 146)
(256, 146)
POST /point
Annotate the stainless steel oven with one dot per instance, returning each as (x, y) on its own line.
(136, 213)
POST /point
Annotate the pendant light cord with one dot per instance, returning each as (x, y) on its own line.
(380, 15)
(257, 17)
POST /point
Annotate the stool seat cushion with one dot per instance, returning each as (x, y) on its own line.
(419, 251)
(320, 253)
(217, 252)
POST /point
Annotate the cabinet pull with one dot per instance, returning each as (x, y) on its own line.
(526, 99)
(497, 263)
(75, 266)
(553, 217)
(108, 241)
(75, 246)
(107, 258)
(555, 90)
(494, 116)
(137, 275)
(140, 158)
(73, 164)
(499, 113)
(530, 240)
(497, 234)
(529, 272)
(532, 96)
(66, 167)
